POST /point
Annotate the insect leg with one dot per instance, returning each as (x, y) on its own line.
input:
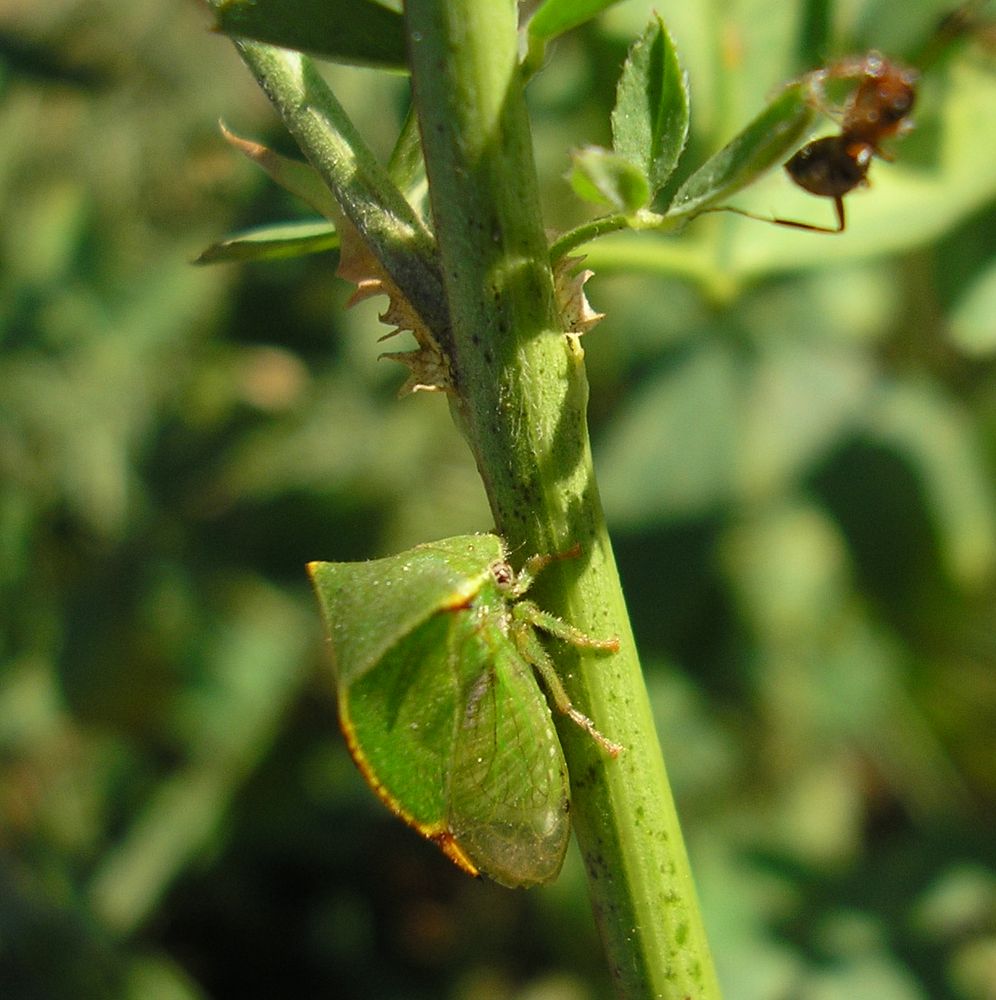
(809, 227)
(532, 651)
(529, 613)
(534, 564)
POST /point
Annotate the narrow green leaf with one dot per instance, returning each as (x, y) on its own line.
(406, 166)
(295, 176)
(650, 119)
(606, 178)
(277, 242)
(767, 140)
(346, 31)
(386, 222)
(815, 32)
(555, 17)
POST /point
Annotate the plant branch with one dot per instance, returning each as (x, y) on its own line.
(361, 185)
(522, 395)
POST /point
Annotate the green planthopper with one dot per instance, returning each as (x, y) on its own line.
(434, 652)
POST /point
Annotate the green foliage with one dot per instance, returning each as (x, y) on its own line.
(349, 31)
(761, 145)
(973, 322)
(650, 119)
(795, 441)
(606, 178)
(554, 17)
(273, 242)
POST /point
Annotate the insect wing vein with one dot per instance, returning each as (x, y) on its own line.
(508, 789)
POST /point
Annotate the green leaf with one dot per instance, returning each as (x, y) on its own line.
(346, 31)
(973, 324)
(439, 705)
(650, 119)
(295, 176)
(767, 140)
(277, 242)
(606, 178)
(387, 224)
(407, 166)
(555, 17)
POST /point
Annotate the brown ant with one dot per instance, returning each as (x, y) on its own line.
(878, 108)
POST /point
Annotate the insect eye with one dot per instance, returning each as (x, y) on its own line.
(900, 107)
(503, 573)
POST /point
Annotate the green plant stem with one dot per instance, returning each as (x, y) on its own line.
(521, 400)
(585, 233)
(592, 230)
(363, 188)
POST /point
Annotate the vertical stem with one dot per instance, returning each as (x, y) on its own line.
(521, 400)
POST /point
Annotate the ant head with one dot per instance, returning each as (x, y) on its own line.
(880, 100)
(881, 103)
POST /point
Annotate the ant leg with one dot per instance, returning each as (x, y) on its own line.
(808, 227)
(838, 204)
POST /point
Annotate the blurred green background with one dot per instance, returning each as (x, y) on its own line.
(796, 442)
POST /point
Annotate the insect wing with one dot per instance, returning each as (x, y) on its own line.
(440, 710)
(508, 792)
(369, 607)
(400, 719)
